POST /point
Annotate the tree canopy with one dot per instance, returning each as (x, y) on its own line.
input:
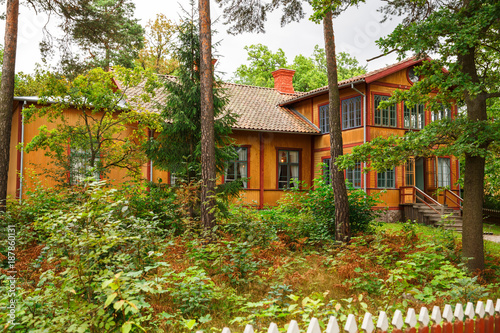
(157, 53)
(95, 34)
(464, 39)
(109, 128)
(310, 72)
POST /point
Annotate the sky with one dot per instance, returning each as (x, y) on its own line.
(356, 31)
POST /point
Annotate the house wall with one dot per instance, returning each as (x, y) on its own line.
(263, 163)
(38, 168)
(389, 198)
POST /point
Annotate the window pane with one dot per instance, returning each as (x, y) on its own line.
(237, 169)
(294, 156)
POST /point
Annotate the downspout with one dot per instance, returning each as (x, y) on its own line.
(364, 132)
(150, 160)
(22, 155)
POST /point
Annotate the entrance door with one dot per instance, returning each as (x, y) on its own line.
(419, 174)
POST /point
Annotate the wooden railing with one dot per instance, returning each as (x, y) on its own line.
(484, 318)
(413, 191)
(453, 197)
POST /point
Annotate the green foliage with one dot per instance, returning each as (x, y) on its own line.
(310, 72)
(101, 138)
(178, 146)
(262, 63)
(100, 262)
(318, 211)
(97, 34)
(157, 54)
(192, 290)
(31, 84)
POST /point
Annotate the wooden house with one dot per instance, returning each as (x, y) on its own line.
(284, 135)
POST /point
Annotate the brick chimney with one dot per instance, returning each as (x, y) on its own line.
(283, 80)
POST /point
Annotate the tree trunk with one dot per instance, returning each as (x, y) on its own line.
(472, 234)
(207, 119)
(342, 229)
(7, 94)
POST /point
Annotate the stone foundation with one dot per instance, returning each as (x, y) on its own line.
(390, 216)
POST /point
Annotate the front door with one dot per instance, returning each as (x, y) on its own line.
(419, 174)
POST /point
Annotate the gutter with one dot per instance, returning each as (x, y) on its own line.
(21, 169)
(364, 131)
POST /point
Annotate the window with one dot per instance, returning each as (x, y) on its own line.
(414, 117)
(354, 175)
(410, 172)
(79, 166)
(324, 119)
(386, 179)
(444, 174)
(384, 117)
(326, 170)
(237, 169)
(444, 113)
(173, 179)
(351, 112)
(288, 168)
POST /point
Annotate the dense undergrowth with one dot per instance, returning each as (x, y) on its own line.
(93, 259)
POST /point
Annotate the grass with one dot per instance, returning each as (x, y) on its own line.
(491, 228)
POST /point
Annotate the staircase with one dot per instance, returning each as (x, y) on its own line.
(450, 219)
(421, 208)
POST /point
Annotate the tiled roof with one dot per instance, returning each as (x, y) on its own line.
(264, 109)
(367, 77)
(257, 108)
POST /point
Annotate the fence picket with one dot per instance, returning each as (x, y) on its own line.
(436, 315)
(248, 329)
(383, 322)
(469, 310)
(448, 318)
(411, 318)
(482, 318)
(273, 328)
(497, 317)
(458, 325)
(293, 327)
(314, 326)
(490, 308)
(480, 309)
(350, 325)
(367, 324)
(459, 312)
(423, 316)
(448, 313)
(333, 326)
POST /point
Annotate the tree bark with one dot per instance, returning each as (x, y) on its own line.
(208, 173)
(342, 228)
(472, 230)
(7, 94)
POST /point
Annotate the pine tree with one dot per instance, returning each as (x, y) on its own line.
(178, 146)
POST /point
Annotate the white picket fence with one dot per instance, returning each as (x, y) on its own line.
(437, 317)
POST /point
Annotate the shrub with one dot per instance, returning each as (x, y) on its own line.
(313, 211)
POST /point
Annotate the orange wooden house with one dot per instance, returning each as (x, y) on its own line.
(283, 135)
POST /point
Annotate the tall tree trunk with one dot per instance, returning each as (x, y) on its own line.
(342, 229)
(472, 233)
(207, 119)
(7, 94)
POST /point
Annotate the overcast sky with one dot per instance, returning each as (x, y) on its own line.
(356, 31)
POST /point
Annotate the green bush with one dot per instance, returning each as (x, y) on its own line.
(99, 254)
(312, 212)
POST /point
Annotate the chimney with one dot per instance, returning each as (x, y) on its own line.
(283, 79)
